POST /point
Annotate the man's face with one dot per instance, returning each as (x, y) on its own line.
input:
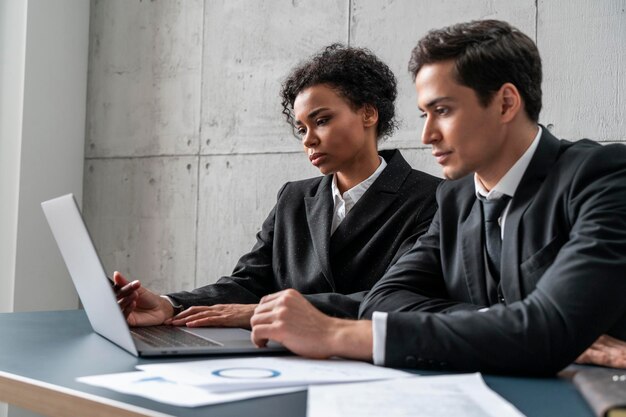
(465, 136)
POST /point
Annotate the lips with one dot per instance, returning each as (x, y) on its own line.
(317, 158)
(441, 156)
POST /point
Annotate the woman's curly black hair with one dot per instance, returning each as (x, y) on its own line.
(355, 73)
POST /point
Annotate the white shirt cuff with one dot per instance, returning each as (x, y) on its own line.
(379, 334)
(179, 306)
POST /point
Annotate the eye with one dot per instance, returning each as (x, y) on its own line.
(423, 115)
(442, 111)
(300, 131)
(322, 121)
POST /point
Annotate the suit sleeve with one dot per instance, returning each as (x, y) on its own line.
(252, 278)
(578, 297)
(414, 282)
(422, 222)
(337, 305)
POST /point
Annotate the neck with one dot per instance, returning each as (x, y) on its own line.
(358, 170)
(515, 142)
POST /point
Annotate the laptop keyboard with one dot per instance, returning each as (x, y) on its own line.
(166, 336)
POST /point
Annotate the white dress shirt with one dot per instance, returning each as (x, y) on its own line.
(343, 204)
(506, 186)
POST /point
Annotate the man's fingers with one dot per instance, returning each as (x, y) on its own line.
(583, 358)
(260, 318)
(617, 362)
(261, 334)
(612, 342)
(605, 351)
(272, 297)
(602, 357)
(265, 306)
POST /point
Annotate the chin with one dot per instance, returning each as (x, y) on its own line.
(452, 174)
(325, 171)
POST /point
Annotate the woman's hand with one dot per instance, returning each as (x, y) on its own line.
(218, 315)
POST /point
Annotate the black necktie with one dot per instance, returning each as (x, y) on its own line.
(492, 210)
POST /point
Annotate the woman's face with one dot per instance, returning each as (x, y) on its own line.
(334, 135)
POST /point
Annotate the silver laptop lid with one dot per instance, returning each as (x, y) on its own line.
(86, 270)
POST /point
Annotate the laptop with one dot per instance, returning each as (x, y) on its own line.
(100, 304)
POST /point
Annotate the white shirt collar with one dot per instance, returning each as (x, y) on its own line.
(510, 181)
(355, 193)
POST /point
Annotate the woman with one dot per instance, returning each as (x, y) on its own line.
(329, 237)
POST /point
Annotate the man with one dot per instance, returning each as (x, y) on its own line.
(521, 288)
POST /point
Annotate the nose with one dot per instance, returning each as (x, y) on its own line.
(309, 139)
(430, 133)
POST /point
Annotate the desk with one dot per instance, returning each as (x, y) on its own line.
(42, 353)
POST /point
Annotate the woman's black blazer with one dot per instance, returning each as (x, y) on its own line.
(295, 249)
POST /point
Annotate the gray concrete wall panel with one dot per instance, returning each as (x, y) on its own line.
(237, 192)
(142, 216)
(583, 48)
(249, 48)
(144, 78)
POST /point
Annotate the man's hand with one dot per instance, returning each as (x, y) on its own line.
(140, 306)
(606, 351)
(288, 318)
(219, 315)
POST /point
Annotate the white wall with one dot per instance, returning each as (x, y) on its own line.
(12, 53)
(186, 145)
(43, 79)
(52, 147)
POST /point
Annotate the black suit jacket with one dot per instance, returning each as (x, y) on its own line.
(294, 248)
(563, 276)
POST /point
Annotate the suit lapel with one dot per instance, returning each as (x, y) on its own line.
(472, 253)
(373, 204)
(319, 215)
(538, 168)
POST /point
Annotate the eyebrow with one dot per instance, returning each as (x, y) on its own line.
(434, 102)
(312, 114)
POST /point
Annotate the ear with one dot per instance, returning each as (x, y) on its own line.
(370, 115)
(511, 102)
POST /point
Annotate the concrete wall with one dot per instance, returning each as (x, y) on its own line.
(186, 146)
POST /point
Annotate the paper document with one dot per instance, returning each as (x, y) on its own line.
(165, 391)
(427, 396)
(227, 375)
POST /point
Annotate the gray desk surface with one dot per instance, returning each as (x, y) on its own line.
(56, 347)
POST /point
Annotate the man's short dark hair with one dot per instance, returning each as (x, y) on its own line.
(487, 54)
(356, 74)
